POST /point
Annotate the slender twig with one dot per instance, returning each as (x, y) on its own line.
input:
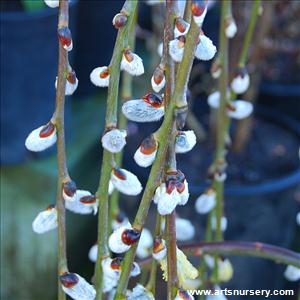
(256, 249)
(110, 121)
(58, 120)
(181, 80)
(221, 133)
(151, 285)
(126, 94)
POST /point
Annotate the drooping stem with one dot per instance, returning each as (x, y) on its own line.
(58, 119)
(164, 132)
(275, 253)
(110, 120)
(255, 249)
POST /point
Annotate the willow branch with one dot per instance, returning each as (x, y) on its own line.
(249, 33)
(221, 130)
(58, 119)
(164, 132)
(151, 285)
(255, 249)
(110, 120)
(126, 94)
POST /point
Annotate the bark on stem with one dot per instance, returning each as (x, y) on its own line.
(164, 132)
(171, 155)
(255, 249)
(58, 119)
(110, 120)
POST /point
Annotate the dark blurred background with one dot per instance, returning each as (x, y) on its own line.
(263, 187)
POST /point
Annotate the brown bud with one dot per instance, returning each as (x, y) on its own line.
(130, 236)
(181, 115)
(68, 280)
(116, 263)
(158, 245)
(119, 20)
(119, 173)
(181, 41)
(149, 145)
(47, 130)
(158, 75)
(70, 188)
(128, 55)
(120, 217)
(184, 295)
(180, 24)
(198, 7)
(50, 207)
(71, 77)
(65, 36)
(104, 73)
(88, 199)
(153, 99)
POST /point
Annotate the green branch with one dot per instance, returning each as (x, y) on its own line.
(110, 120)
(164, 132)
(58, 119)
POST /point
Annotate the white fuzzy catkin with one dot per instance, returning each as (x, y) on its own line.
(135, 67)
(185, 141)
(144, 160)
(205, 202)
(45, 221)
(130, 186)
(138, 110)
(240, 83)
(185, 230)
(205, 50)
(36, 143)
(70, 87)
(52, 3)
(79, 207)
(115, 242)
(82, 290)
(96, 78)
(114, 140)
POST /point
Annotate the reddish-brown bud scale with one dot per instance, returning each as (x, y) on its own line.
(158, 245)
(119, 20)
(158, 75)
(116, 263)
(180, 25)
(198, 7)
(70, 188)
(130, 236)
(181, 40)
(148, 146)
(230, 107)
(104, 73)
(120, 217)
(175, 180)
(118, 173)
(184, 294)
(50, 207)
(153, 99)
(240, 72)
(71, 77)
(47, 130)
(65, 36)
(88, 199)
(128, 55)
(68, 280)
